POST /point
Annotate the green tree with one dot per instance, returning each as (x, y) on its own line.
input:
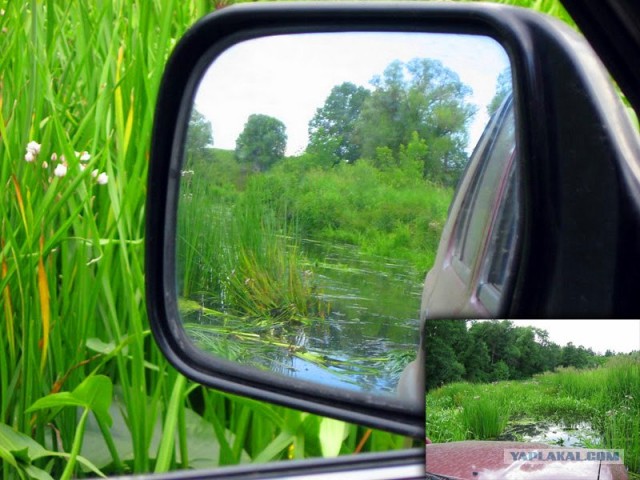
(504, 87)
(445, 340)
(530, 360)
(262, 142)
(425, 97)
(332, 130)
(413, 156)
(476, 360)
(499, 338)
(552, 356)
(500, 372)
(199, 135)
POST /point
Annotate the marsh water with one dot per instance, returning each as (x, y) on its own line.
(371, 330)
(552, 433)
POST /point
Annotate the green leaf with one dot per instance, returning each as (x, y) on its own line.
(97, 394)
(203, 444)
(275, 448)
(16, 442)
(20, 451)
(165, 451)
(37, 473)
(55, 400)
(332, 434)
(97, 345)
(94, 393)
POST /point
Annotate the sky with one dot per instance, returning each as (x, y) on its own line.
(290, 76)
(621, 336)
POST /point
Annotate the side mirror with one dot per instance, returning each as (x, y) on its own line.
(240, 293)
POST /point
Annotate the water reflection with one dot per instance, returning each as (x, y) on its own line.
(368, 336)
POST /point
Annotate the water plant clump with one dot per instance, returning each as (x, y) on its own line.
(483, 418)
(246, 260)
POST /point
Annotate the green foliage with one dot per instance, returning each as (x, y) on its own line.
(483, 418)
(504, 86)
(390, 213)
(243, 255)
(199, 135)
(607, 398)
(332, 130)
(500, 371)
(443, 421)
(444, 339)
(496, 350)
(420, 103)
(262, 142)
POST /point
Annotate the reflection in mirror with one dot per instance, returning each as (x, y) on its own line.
(317, 174)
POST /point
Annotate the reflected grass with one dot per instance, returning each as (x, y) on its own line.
(245, 259)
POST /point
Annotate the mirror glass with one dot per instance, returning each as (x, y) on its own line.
(317, 174)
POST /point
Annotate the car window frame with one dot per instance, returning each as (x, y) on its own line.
(468, 273)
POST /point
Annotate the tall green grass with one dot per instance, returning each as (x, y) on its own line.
(483, 418)
(244, 259)
(83, 76)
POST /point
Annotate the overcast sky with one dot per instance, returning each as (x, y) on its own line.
(290, 76)
(621, 336)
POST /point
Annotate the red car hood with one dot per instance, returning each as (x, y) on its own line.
(482, 460)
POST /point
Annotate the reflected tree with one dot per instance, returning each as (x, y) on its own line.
(420, 101)
(262, 142)
(199, 135)
(504, 87)
(332, 130)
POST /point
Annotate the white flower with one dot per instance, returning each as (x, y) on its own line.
(29, 156)
(94, 173)
(82, 167)
(54, 156)
(61, 170)
(85, 157)
(103, 179)
(33, 147)
(45, 165)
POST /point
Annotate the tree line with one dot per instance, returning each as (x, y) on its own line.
(475, 351)
(415, 116)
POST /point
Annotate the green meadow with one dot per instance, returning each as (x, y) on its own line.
(606, 398)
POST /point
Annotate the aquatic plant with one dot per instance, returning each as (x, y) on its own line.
(483, 418)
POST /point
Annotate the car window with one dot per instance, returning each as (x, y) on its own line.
(501, 247)
(479, 206)
(503, 235)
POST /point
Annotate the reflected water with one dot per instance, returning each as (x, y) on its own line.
(368, 336)
(577, 436)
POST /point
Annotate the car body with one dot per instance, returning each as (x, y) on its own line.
(477, 246)
(478, 460)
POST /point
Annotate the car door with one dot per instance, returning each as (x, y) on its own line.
(479, 239)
